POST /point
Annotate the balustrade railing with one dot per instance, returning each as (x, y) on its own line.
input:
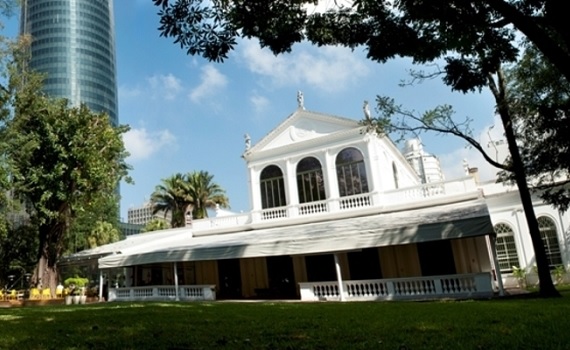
(434, 287)
(163, 293)
(419, 193)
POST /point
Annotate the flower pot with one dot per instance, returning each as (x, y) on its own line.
(68, 300)
(75, 299)
(82, 299)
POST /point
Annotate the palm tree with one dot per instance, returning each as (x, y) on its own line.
(205, 193)
(172, 196)
(156, 224)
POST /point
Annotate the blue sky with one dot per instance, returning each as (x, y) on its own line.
(188, 114)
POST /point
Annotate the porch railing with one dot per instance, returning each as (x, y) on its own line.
(163, 293)
(434, 287)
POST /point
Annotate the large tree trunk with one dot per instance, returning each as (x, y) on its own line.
(546, 287)
(51, 246)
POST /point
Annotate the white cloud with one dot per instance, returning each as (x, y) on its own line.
(212, 81)
(325, 68)
(168, 86)
(142, 144)
(259, 103)
(126, 92)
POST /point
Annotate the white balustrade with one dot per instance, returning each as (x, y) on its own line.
(164, 293)
(421, 193)
(355, 202)
(313, 208)
(433, 287)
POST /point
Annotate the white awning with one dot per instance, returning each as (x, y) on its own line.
(457, 220)
(138, 241)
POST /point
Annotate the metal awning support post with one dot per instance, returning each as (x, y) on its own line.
(339, 277)
(495, 262)
(101, 285)
(176, 281)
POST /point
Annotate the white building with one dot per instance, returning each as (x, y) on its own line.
(140, 215)
(337, 214)
(426, 165)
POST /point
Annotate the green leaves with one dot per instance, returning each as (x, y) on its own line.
(192, 193)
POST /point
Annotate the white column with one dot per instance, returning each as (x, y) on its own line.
(255, 196)
(290, 181)
(101, 285)
(331, 181)
(495, 262)
(339, 277)
(176, 281)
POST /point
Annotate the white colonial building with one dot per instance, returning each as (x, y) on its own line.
(337, 214)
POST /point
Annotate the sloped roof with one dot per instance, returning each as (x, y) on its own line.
(140, 241)
(464, 219)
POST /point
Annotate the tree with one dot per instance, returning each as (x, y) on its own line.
(62, 158)
(192, 193)
(102, 233)
(540, 98)
(156, 224)
(423, 30)
(172, 196)
(205, 194)
(396, 118)
(104, 209)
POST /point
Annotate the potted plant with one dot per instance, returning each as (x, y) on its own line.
(76, 287)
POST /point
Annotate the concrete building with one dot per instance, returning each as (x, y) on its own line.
(74, 44)
(140, 215)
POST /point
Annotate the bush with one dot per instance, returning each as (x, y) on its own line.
(75, 284)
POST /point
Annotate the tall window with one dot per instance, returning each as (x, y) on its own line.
(310, 182)
(550, 240)
(351, 172)
(506, 248)
(272, 188)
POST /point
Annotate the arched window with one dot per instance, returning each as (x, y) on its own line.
(272, 188)
(550, 239)
(310, 183)
(351, 172)
(395, 172)
(506, 248)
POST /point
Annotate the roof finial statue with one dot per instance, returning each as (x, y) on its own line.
(366, 109)
(300, 100)
(247, 142)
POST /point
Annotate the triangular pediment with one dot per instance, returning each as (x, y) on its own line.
(303, 126)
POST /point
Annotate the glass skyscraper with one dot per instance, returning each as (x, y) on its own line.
(74, 44)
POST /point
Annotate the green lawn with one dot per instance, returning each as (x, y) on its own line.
(521, 323)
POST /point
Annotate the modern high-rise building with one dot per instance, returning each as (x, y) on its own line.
(74, 45)
(426, 165)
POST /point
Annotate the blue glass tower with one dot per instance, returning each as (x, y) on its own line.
(74, 44)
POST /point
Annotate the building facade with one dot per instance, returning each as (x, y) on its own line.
(74, 45)
(140, 215)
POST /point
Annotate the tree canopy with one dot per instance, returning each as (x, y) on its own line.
(473, 37)
(190, 194)
(61, 159)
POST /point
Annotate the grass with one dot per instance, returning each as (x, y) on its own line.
(515, 323)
